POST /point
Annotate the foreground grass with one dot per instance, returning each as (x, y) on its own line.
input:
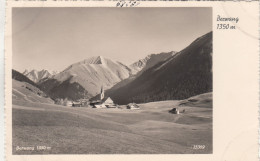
(151, 130)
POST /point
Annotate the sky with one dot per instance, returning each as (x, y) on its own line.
(54, 38)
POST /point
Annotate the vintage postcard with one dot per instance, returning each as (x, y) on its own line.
(131, 80)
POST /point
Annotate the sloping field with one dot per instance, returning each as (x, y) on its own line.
(202, 100)
(23, 91)
(150, 130)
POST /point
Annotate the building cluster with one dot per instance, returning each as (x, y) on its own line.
(100, 102)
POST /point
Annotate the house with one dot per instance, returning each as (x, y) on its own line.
(100, 105)
(132, 106)
(76, 104)
(175, 111)
(85, 104)
(68, 103)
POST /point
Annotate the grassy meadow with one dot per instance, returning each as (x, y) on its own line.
(81, 130)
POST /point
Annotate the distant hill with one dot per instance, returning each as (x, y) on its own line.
(149, 61)
(85, 78)
(185, 74)
(37, 76)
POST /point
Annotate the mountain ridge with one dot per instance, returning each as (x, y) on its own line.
(37, 75)
(186, 73)
(149, 61)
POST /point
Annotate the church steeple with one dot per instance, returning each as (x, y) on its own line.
(102, 93)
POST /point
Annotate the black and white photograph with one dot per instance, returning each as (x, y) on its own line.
(110, 80)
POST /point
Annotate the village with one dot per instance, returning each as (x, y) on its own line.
(101, 102)
(98, 102)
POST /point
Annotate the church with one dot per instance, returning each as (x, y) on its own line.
(103, 102)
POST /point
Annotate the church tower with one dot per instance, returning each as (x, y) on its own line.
(102, 93)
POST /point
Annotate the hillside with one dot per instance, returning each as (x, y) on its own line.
(138, 67)
(22, 78)
(64, 89)
(202, 100)
(86, 78)
(24, 89)
(185, 74)
(25, 92)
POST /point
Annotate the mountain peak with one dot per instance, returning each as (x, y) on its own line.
(91, 73)
(149, 61)
(36, 75)
(94, 60)
(25, 72)
(44, 70)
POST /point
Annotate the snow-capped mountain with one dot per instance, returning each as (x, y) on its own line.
(149, 61)
(36, 76)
